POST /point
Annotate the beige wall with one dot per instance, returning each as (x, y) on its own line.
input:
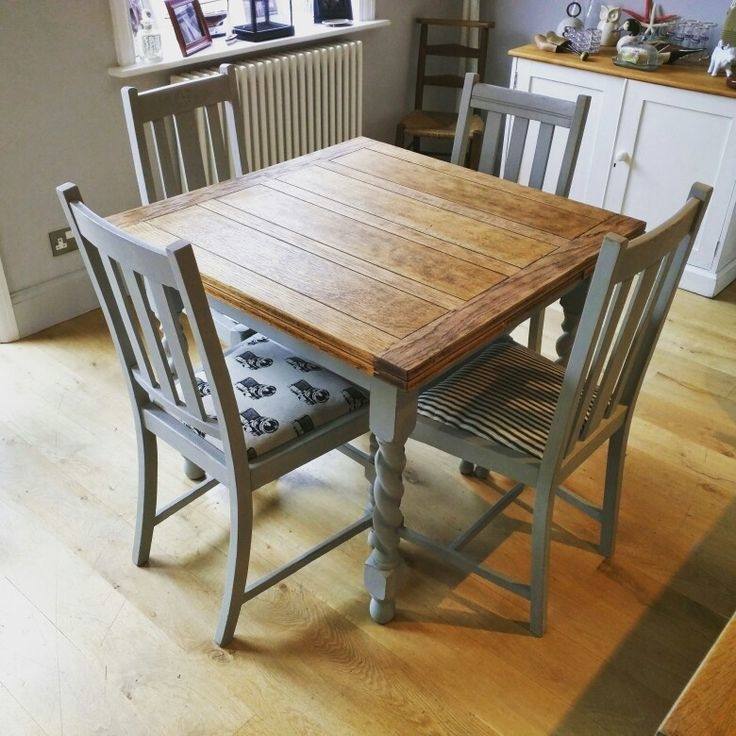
(60, 119)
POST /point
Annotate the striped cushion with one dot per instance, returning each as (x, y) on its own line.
(508, 394)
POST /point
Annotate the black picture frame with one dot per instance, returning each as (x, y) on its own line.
(332, 10)
(190, 26)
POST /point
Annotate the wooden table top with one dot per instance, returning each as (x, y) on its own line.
(396, 262)
(693, 77)
(707, 706)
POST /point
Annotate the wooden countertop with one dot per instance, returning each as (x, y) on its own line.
(707, 706)
(680, 76)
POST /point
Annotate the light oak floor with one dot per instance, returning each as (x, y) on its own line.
(90, 644)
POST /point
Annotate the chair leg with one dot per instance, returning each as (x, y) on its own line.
(400, 130)
(466, 467)
(476, 147)
(192, 471)
(238, 558)
(612, 494)
(536, 328)
(543, 507)
(147, 495)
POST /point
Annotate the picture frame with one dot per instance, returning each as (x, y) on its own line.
(190, 26)
(331, 10)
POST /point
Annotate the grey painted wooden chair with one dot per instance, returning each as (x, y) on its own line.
(499, 105)
(194, 137)
(142, 290)
(519, 413)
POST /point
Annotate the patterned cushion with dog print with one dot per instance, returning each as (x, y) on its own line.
(280, 395)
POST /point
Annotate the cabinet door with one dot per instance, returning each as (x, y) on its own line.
(607, 93)
(667, 140)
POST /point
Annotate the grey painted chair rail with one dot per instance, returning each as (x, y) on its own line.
(501, 105)
(630, 294)
(142, 290)
(175, 132)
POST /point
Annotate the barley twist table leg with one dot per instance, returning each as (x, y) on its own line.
(572, 306)
(392, 419)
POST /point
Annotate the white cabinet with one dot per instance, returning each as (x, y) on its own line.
(644, 146)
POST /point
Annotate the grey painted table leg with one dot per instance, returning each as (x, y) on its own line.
(393, 416)
(572, 307)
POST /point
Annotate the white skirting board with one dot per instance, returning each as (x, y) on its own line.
(706, 283)
(54, 301)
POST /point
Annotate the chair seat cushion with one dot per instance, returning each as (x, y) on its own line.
(426, 124)
(508, 394)
(281, 396)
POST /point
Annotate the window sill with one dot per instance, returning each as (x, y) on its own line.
(220, 51)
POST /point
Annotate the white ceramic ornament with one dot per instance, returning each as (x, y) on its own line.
(722, 60)
(608, 25)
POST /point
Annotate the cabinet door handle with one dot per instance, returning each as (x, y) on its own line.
(622, 157)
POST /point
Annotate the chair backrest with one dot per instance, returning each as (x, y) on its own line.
(630, 294)
(142, 289)
(190, 124)
(502, 104)
(452, 50)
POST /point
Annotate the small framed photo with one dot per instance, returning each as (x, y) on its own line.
(190, 25)
(332, 10)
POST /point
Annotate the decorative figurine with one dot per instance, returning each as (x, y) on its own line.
(723, 59)
(608, 25)
(572, 20)
(629, 33)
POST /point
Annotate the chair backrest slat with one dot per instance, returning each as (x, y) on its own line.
(617, 333)
(116, 286)
(523, 108)
(541, 155)
(143, 290)
(191, 123)
(454, 50)
(217, 140)
(168, 308)
(515, 153)
(190, 150)
(150, 326)
(166, 155)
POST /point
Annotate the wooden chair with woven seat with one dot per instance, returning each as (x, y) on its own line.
(536, 422)
(247, 417)
(422, 123)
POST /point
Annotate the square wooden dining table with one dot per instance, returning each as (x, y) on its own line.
(389, 268)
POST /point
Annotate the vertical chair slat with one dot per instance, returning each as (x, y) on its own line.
(492, 137)
(642, 335)
(620, 350)
(164, 156)
(214, 129)
(191, 154)
(617, 302)
(128, 316)
(541, 155)
(515, 153)
(150, 329)
(169, 311)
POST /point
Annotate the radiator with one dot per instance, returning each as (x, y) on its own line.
(296, 103)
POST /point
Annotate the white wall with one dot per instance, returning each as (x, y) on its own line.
(60, 120)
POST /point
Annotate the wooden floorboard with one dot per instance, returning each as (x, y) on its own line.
(90, 644)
